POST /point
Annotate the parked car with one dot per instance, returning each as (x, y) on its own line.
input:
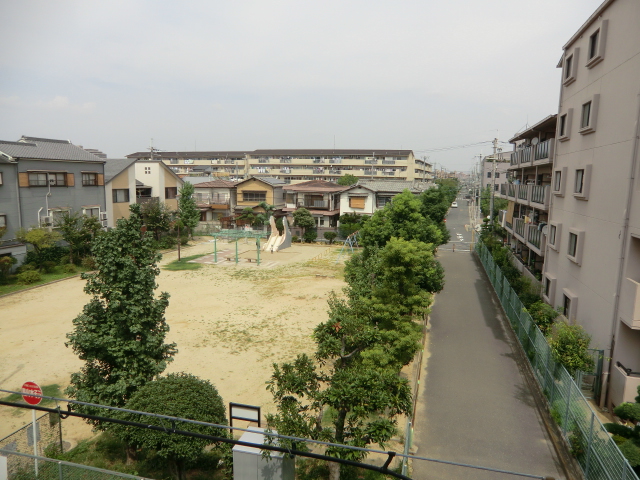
(454, 205)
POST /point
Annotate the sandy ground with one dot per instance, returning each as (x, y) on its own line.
(230, 323)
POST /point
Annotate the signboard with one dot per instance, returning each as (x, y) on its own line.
(33, 388)
(248, 413)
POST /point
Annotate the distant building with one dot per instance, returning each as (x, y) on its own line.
(321, 198)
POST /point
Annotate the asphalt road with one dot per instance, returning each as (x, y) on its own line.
(474, 405)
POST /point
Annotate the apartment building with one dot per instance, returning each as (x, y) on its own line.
(592, 267)
(498, 164)
(528, 193)
(226, 164)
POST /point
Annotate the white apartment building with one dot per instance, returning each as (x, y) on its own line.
(592, 267)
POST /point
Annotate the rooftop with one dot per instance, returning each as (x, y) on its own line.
(114, 166)
(46, 149)
(215, 184)
(316, 186)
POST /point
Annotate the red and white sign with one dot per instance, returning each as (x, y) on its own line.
(34, 389)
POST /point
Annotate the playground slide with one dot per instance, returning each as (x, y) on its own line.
(278, 242)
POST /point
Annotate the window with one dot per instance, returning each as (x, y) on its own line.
(488, 174)
(89, 179)
(3, 221)
(589, 115)
(586, 115)
(91, 211)
(559, 181)
(170, 193)
(549, 288)
(357, 202)
(597, 44)
(58, 214)
(121, 195)
(1, 181)
(570, 67)
(42, 179)
(566, 306)
(582, 181)
(496, 187)
(553, 235)
(569, 304)
(563, 125)
(382, 201)
(575, 246)
(147, 170)
(248, 196)
(497, 175)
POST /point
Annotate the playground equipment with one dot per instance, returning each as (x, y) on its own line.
(349, 243)
(235, 235)
(276, 241)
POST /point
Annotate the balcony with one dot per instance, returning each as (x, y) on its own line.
(511, 191)
(369, 171)
(519, 228)
(318, 170)
(285, 160)
(543, 152)
(285, 170)
(630, 303)
(540, 196)
(230, 162)
(503, 189)
(371, 162)
(335, 160)
(508, 225)
(388, 162)
(389, 174)
(521, 157)
(535, 240)
(318, 160)
(523, 194)
(624, 384)
(335, 172)
(263, 160)
(311, 203)
(142, 199)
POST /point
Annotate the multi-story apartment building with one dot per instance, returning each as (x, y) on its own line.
(42, 178)
(498, 163)
(295, 166)
(592, 268)
(528, 192)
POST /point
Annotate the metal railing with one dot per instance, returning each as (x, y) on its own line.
(23, 466)
(518, 226)
(534, 236)
(523, 192)
(590, 443)
(538, 193)
(542, 150)
(511, 190)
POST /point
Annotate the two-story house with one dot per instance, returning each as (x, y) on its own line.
(42, 178)
(365, 198)
(254, 190)
(216, 199)
(321, 198)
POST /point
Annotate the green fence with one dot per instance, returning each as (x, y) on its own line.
(593, 447)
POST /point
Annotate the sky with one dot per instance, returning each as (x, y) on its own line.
(245, 75)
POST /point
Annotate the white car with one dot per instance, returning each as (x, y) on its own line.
(454, 205)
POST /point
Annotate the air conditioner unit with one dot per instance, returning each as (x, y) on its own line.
(103, 216)
(46, 220)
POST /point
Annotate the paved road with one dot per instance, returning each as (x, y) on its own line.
(474, 405)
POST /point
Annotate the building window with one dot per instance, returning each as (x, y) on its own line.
(564, 128)
(557, 181)
(570, 67)
(563, 125)
(589, 115)
(547, 287)
(54, 179)
(566, 306)
(497, 175)
(91, 211)
(147, 170)
(170, 193)
(1, 181)
(58, 215)
(382, 202)
(248, 196)
(89, 179)
(567, 66)
(357, 202)
(582, 182)
(579, 181)
(121, 195)
(573, 244)
(593, 44)
(586, 115)
(553, 235)
(576, 245)
(3, 221)
(488, 174)
(597, 44)
(496, 187)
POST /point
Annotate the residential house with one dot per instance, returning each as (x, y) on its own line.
(321, 198)
(592, 267)
(124, 186)
(365, 198)
(216, 200)
(254, 190)
(42, 178)
(528, 193)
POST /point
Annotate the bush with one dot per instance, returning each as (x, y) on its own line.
(48, 266)
(310, 235)
(64, 260)
(543, 315)
(331, 236)
(29, 277)
(630, 450)
(69, 268)
(294, 239)
(6, 264)
(89, 263)
(26, 267)
(619, 430)
(569, 347)
(51, 254)
(628, 411)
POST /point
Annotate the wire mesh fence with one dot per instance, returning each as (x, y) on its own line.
(589, 442)
(22, 466)
(47, 433)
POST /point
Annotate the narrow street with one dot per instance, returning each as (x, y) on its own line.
(474, 404)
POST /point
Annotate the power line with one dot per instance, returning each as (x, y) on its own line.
(457, 147)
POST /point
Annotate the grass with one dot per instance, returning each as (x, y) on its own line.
(12, 285)
(52, 390)
(183, 264)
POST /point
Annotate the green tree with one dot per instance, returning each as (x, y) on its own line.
(6, 264)
(263, 217)
(120, 333)
(401, 218)
(330, 236)
(303, 219)
(188, 210)
(156, 216)
(248, 215)
(485, 203)
(350, 223)
(543, 316)
(347, 180)
(177, 395)
(39, 238)
(78, 231)
(569, 347)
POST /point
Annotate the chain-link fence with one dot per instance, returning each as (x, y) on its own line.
(24, 467)
(48, 433)
(589, 442)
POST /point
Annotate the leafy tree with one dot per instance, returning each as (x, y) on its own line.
(248, 215)
(303, 219)
(401, 218)
(188, 211)
(157, 217)
(350, 223)
(435, 204)
(310, 235)
(120, 333)
(39, 238)
(569, 347)
(178, 395)
(78, 231)
(330, 236)
(6, 264)
(485, 203)
(347, 179)
(543, 316)
(263, 217)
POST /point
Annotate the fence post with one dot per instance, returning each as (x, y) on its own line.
(566, 417)
(60, 476)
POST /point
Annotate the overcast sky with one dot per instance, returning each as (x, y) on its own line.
(242, 75)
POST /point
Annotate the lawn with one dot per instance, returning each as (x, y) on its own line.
(13, 286)
(183, 264)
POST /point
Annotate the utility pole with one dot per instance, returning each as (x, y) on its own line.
(493, 186)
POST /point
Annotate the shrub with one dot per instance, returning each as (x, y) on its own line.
(6, 263)
(569, 347)
(543, 315)
(331, 236)
(64, 260)
(619, 430)
(631, 452)
(26, 267)
(89, 263)
(310, 235)
(628, 411)
(294, 238)
(48, 266)
(69, 268)
(29, 277)
(618, 439)
(51, 254)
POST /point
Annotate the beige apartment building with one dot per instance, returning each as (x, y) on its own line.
(592, 267)
(294, 166)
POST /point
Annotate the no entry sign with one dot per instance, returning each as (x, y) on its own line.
(34, 389)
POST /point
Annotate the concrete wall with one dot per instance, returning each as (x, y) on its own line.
(369, 207)
(9, 199)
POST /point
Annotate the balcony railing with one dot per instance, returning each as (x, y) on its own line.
(518, 226)
(371, 162)
(335, 172)
(526, 155)
(389, 174)
(542, 150)
(534, 237)
(335, 160)
(624, 384)
(285, 160)
(511, 190)
(508, 224)
(318, 160)
(285, 170)
(523, 192)
(229, 162)
(318, 170)
(142, 199)
(263, 161)
(540, 194)
(388, 162)
(368, 171)
(314, 203)
(216, 199)
(503, 189)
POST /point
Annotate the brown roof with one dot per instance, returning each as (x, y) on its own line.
(315, 186)
(215, 184)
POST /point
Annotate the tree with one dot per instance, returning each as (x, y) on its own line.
(263, 217)
(121, 331)
(247, 215)
(330, 236)
(570, 347)
(543, 316)
(78, 231)
(188, 210)
(303, 219)
(177, 395)
(347, 179)
(40, 238)
(350, 223)
(157, 216)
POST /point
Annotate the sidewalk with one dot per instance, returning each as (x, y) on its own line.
(474, 406)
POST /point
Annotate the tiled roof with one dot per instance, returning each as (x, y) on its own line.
(115, 166)
(316, 186)
(270, 180)
(215, 184)
(47, 149)
(389, 186)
